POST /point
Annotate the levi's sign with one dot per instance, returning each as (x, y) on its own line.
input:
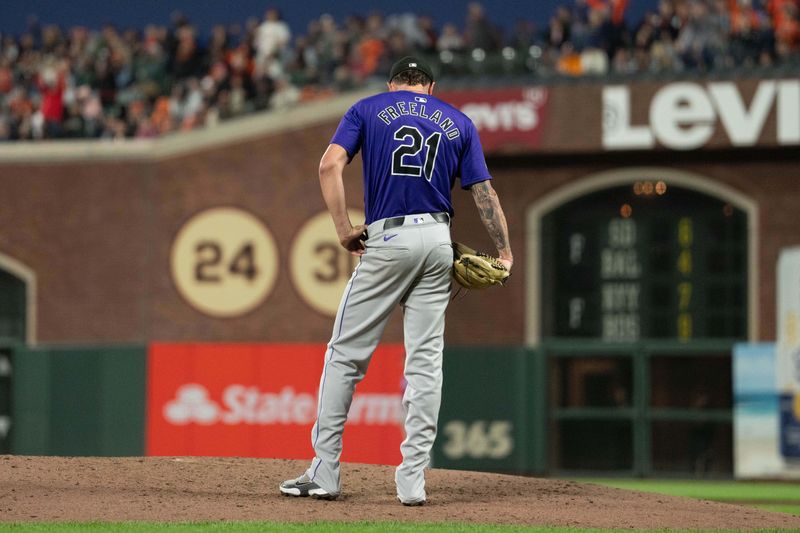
(686, 115)
(506, 119)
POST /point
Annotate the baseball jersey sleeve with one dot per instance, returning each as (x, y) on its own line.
(349, 133)
(472, 167)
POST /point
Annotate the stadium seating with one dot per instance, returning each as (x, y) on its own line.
(124, 83)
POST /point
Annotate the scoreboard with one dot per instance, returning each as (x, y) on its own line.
(645, 261)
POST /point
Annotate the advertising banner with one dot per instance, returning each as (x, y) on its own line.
(260, 400)
(687, 116)
(788, 291)
(508, 120)
(766, 386)
(755, 412)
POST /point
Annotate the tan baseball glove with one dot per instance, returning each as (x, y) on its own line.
(477, 270)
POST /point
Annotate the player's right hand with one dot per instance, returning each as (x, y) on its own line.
(353, 241)
(506, 263)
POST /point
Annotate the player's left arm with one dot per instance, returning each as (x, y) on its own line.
(331, 169)
(493, 218)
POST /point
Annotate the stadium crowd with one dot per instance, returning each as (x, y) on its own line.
(112, 83)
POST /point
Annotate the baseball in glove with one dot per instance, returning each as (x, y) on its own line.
(477, 270)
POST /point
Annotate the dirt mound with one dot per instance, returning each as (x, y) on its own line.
(195, 489)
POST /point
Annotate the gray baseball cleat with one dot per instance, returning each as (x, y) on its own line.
(303, 486)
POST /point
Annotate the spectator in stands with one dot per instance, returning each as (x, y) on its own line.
(662, 57)
(752, 42)
(187, 59)
(564, 24)
(450, 39)
(397, 47)
(326, 40)
(272, 38)
(51, 84)
(285, 94)
(786, 17)
(698, 39)
(368, 48)
(428, 28)
(304, 63)
(479, 32)
(20, 113)
(523, 36)
(600, 42)
(558, 31)
(625, 62)
(114, 84)
(6, 75)
(668, 21)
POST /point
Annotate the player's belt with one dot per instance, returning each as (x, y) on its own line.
(396, 222)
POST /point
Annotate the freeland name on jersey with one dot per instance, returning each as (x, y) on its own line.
(417, 109)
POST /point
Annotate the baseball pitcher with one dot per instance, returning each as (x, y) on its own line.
(414, 147)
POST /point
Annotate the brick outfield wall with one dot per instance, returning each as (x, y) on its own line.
(98, 235)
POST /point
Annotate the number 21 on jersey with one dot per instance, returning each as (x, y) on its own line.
(411, 145)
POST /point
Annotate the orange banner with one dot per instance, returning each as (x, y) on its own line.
(260, 400)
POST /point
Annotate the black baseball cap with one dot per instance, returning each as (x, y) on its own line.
(410, 63)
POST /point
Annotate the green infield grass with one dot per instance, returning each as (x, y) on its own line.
(771, 496)
(778, 508)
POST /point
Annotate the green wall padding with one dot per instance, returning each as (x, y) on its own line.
(87, 401)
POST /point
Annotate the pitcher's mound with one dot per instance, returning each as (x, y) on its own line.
(203, 489)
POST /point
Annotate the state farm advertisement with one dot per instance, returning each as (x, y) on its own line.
(261, 401)
(508, 120)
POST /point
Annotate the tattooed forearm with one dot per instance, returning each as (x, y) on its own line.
(492, 216)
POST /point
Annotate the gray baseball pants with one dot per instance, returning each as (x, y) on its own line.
(408, 265)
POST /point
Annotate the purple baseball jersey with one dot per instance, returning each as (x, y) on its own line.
(414, 146)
